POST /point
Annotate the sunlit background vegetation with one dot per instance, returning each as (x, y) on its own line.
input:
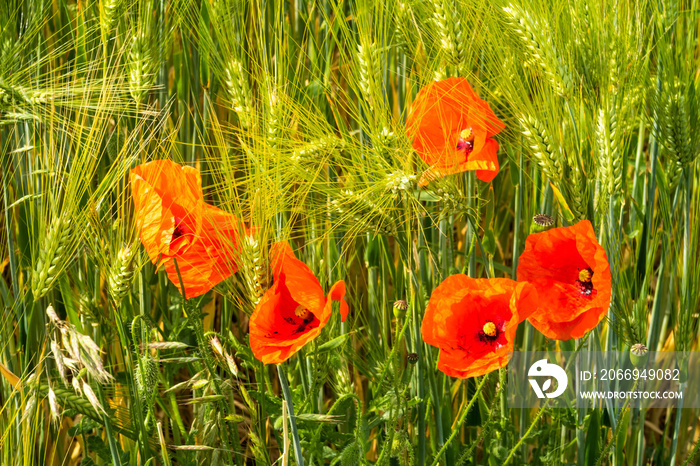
(294, 112)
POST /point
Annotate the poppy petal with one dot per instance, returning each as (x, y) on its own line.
(178, 190)
(303, 286)
(337, 293)
(210, 259)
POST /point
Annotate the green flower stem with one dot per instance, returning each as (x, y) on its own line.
(605, 451)
(527, 433)
(462, 417)
(544, 406)
(292, 419)
(677, 427)
(486, 427)
(392, 355)
(685, 292)
(113, 450)
(691, 457)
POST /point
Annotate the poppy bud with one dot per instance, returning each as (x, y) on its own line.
(412, 358)
(400, 307)
(542, 222)
(639, 355)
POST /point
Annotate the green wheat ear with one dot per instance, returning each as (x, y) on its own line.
(52, 255)
(678, 114)
(142, 66)
(109, 13)
(235, 82)
(256, 270)
(540, 51)
(121, 274)
(542, 149)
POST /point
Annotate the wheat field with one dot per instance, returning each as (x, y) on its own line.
(311, 232)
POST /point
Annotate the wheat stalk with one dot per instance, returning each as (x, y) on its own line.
(609, 157)
(405, 27)
(676, 134)
(577, 193)
(362, 211)
(312, 151)
(275, 119)
(82, 406)
(109, 13)
(370, 78)
(256, 270)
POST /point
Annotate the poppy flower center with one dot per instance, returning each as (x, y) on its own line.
(179, 228)
(466, 141)
(302, 321)
(302, 313)
(585, 275)
(584, 283)
(489, 329)
(491, 332)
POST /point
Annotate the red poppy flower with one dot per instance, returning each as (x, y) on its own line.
(176, 223)
(473, 322)
(293, 311)
(451, 126)
(571, 273)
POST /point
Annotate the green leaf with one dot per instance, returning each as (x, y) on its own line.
(513, 167)
(67, 295)
(592, 447)
(273, 405)
(489, 242)
(565, 210)
(235, 418)
(333, 344)
(622, 434)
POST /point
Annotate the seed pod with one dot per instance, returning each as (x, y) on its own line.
(147, 373)
(542, 222)
(639, 355)
(351, 455)
(400, 307)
